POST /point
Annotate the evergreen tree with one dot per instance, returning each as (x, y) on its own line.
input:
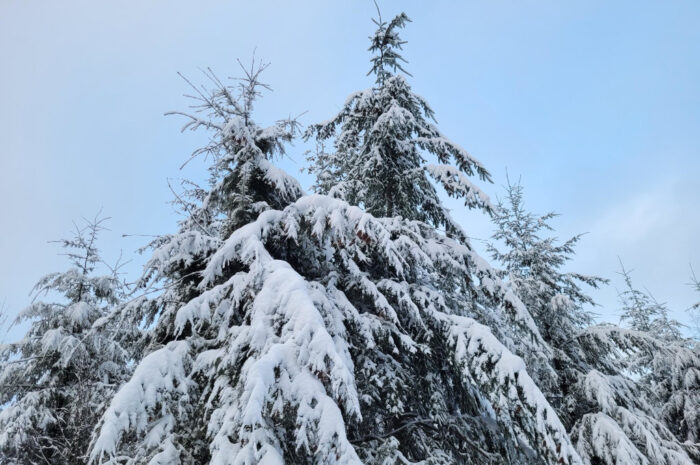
(669, 365)
(638, 399)
(675, 381)
(381, 137)
(243, 183)
(532, 263)
(386, 151)
(55, 380)
(610, 414)
(324, 333)
(643, 313)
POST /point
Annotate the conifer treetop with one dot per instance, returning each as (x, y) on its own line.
(533, 261)
(55, 379)
(643, 312)
(387, 148)
(385, 44)
(244, 181)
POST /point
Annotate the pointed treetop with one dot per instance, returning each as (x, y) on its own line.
(643, 312)
(243, 180)
(81, 248)
(385, 45)
(386, 146)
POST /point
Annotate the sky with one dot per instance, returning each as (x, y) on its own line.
(594, 105)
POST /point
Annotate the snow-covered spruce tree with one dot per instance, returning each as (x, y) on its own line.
(642, 312)
(384, 140)
(675, 381)
(320, 333)
(639, 396)
(611, 415)
(243, 183)
(386, 150)
(381, 136)
(55, 380)
(670, 366)
(637, 403)
(532, 263)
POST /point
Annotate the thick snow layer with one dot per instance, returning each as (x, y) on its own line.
(160, 376)
(503, 378)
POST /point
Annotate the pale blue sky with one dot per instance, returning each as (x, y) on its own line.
(596, 104)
